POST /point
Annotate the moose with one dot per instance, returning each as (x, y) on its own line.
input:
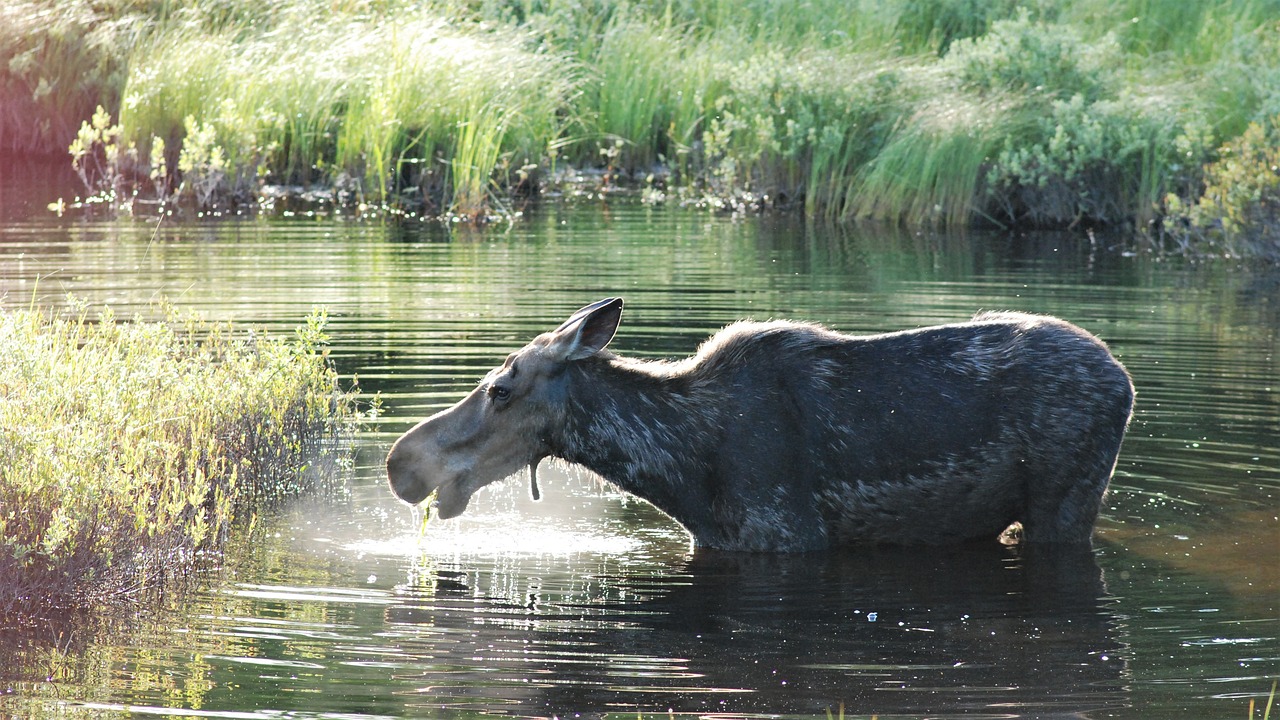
(784, 436)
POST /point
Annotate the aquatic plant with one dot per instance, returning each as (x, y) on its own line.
(127, 448)
(98, 157)
(1271, 699)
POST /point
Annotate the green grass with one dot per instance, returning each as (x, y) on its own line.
(400, 104)
(127, 448)
(913, 111)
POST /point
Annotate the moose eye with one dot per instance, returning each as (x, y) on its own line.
(499, 392)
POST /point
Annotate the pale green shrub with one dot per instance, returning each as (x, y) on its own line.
(127, 447)
(1035, 58)
(1106, 161)
(1238, 213)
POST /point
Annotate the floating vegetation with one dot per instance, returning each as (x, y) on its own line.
(128, 448)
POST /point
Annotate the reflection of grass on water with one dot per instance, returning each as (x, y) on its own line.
(127, 448)
(919, 111)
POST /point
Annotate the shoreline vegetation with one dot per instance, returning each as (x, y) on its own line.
(128, 449)
(1158, 115)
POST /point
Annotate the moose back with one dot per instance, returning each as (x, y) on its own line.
(785, 436)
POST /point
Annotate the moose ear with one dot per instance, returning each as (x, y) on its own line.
(587, 331)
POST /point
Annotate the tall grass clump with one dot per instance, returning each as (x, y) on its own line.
(645, 104)
(932, 167)
(127, 448)
(799, 126)
(396, 103)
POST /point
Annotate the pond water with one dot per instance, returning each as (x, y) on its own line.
(590, 603)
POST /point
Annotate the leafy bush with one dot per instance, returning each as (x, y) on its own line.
(128, 447)
(1036, 58)
(1239, 211)
(1104, 161)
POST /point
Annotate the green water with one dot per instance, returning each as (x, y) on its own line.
(590, 602)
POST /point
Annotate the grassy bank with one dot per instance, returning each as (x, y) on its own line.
(1052, 114)
(127, 448)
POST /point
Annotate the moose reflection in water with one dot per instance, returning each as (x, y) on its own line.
(785, 436)
(962, 629)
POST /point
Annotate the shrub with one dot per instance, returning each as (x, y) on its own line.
(128, 447)
(1035, 58)
(1106, 161)
(1238, 212)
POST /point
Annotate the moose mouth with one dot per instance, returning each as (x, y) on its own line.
(452, 497)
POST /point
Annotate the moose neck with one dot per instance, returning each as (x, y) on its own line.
(645, 428)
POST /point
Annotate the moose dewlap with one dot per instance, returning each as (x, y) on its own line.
(784, 436)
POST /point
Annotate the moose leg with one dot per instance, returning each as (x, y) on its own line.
(1065, 494)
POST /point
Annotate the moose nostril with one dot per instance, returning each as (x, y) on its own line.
(411, 495)
(408, 489)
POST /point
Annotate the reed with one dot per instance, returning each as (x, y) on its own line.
(637, 92)
(127, 448)
(931, 168)
(375, 98)
(919, 111)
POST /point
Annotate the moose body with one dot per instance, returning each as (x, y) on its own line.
(783, 436)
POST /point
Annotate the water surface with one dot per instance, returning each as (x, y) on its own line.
(591, 602)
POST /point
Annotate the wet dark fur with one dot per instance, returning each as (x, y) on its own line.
(786, 436)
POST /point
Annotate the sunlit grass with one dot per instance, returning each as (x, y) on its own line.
(398, 103)
(126, 448)
(919, 111)
(638, 97)
(932, 167)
